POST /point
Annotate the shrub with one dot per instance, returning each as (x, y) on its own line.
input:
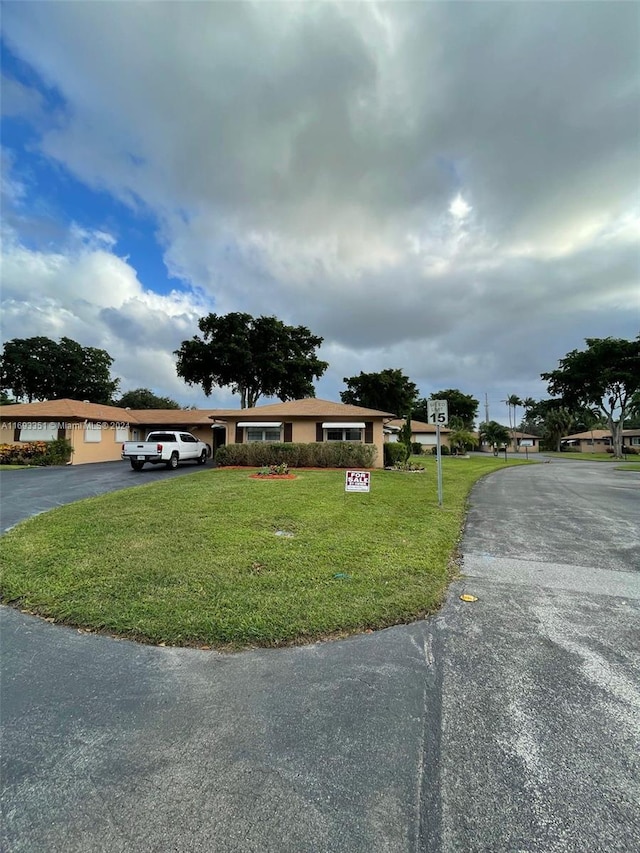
(444, 450)
(627, 448)
(334, 454)
(57, 452)
(416, 448)
(394, 453)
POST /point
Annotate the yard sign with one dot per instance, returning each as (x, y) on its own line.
(358, 481)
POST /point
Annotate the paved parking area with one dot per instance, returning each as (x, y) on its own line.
(29, 491)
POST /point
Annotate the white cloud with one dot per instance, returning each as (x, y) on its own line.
(446, 188)
(86, 292)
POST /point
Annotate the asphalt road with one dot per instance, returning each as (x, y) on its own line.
(510, 724)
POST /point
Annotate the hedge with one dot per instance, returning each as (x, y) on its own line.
(334, 454)
(56, 452)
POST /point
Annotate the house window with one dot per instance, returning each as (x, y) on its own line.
(263, 433)
(635, 440)
(346, 434)
(259, 431)
(93, 433)
(343, 431)
(39, 431)
(122, 434)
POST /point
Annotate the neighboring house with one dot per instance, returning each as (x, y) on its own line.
(424, 434)
(597, 440)
(306, 421)
(525, 442)
(97, 432)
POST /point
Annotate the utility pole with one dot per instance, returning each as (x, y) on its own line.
(486, 408)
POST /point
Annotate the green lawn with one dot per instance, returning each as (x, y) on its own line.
(219, 559)
(629, 466)
(585, 457)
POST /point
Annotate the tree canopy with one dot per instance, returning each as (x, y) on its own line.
(255, 357)
(144, 398)
(387, 391)
(605, 375)
(38, 368)
(494, 434)
(463, 408)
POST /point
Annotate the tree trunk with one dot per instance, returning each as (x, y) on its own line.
(616, 435)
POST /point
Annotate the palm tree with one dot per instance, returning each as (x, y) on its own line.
(557, 423)
(494, 434)
(462, 439)
(513, 401)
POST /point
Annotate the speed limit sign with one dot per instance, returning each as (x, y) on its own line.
(438, 412)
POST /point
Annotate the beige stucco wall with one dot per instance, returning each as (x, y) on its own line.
(598, 446)
(105, 450)
(303, 431)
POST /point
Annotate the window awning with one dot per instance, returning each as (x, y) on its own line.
(341, 425)
(259, 423)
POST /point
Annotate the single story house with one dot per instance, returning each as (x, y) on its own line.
(306, 421)
(597, 440)
(96, 432)
(421, 433)
(525, 442)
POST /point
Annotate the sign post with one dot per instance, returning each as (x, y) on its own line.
(438, 414)
(526, 443)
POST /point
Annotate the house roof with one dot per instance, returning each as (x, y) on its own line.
(66, 409)
(418, 426)
(599, 433)
(596, 433)
(174, 417)
(310, 407)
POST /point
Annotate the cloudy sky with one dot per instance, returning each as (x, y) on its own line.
(450, 189)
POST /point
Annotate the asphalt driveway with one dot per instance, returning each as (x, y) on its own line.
(29, 491)
(510, 724)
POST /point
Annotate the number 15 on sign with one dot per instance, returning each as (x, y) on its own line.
(438, 412)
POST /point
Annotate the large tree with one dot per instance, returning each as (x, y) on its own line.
(40, 369)
(606, 375)
(387, 391)
(463, 408)
(144, 398)
(255, 357)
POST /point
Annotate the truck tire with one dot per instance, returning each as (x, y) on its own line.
(137, 466)
(202, 458)
(173, 461)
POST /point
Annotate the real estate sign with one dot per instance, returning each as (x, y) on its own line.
(358, 481)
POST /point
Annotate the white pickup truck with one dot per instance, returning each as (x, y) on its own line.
(168, 446)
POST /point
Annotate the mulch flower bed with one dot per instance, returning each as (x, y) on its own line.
(272, 476)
